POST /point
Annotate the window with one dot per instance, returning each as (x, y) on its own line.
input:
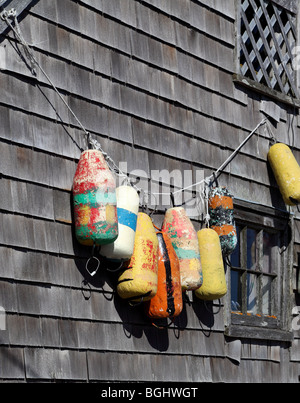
(254, 272)
(259, 275)
(267, 39)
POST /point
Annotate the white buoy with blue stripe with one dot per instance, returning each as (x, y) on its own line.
(127, 211)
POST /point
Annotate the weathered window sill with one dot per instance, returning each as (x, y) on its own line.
(262, 89)
(252, 332)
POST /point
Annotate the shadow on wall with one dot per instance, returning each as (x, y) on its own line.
(205, 311)
(135, 322)
(134, 319)
(276, 198)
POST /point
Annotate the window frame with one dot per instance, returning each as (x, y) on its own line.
(260, 88)
(266, 327)
(257, 271)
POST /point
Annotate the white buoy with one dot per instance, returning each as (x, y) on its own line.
(127, 210)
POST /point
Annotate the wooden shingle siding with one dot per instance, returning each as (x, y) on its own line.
(152, 82)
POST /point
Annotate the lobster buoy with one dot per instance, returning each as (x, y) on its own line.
(138, 282)
(286, 171)
(94, 197)
(167, 303)
(127, 210)
(222, 219)
(214, 282)
(185, 243)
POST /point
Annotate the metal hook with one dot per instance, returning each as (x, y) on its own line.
(163, 327)
(115, 270)
(136, 303)
(88, 262)
(142, 196)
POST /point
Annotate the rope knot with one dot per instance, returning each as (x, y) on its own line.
(207, 219)
(5, 15)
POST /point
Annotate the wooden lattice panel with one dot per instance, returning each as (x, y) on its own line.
(268, 36)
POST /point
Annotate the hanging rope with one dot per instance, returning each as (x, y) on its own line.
(94, 144)
(12, 14)
(216, 173)
(206, 199)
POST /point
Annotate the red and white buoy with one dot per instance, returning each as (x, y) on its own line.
(94, 198)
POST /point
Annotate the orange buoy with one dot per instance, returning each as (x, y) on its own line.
(185, 243)
(167, 303)
(222, 219)
(138, 282)
(94, 198)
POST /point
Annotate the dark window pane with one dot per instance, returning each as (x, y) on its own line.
(251, 249)
(266, 295)
(236, 302)
(270, 252)
(252, 294)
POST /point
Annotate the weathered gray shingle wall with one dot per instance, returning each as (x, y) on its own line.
(152, 81)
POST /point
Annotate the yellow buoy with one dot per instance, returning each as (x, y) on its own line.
(286, 171)
(139, 280)
(214, 282)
